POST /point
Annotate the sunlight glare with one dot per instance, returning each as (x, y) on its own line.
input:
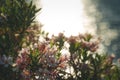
(62, 16)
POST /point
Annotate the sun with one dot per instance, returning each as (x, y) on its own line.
(62, 16)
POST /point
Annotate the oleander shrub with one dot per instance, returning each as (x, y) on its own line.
(66, 58)
(27, 53)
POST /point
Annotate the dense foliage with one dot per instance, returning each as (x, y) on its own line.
(27, 53)
(15, 18)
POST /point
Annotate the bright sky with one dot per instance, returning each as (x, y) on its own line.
(62, 16)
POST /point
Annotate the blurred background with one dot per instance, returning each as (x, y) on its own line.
(107, 20)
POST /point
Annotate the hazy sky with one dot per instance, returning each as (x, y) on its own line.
(62, 16)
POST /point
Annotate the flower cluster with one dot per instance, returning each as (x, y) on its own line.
(23, 59)
(44, 59)
(92, 46)
(41, 62)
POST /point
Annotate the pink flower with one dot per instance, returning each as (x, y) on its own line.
(63, 58)
(92, 46)
(42, 48)
(19, 60)
(60, 35)
(62, 65)
(111, 57)
(72, 39)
